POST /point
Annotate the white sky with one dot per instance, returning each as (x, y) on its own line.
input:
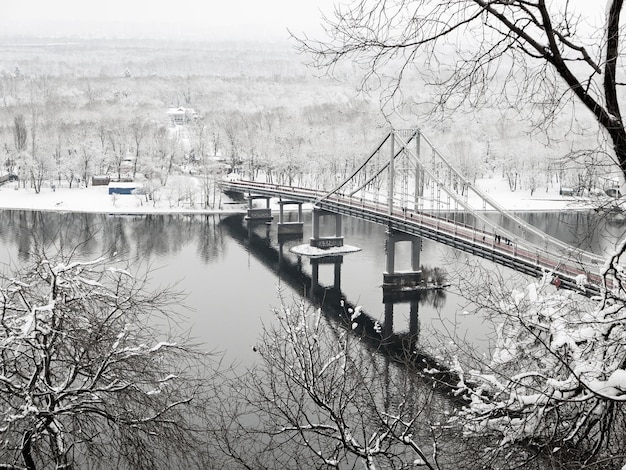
(211, 18)
(247, 17)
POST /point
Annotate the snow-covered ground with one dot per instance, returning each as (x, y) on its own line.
(541, 200)
(97, 199)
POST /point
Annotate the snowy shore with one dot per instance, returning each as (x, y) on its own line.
(96, 199)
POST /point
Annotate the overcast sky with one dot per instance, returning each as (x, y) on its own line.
(222, 18)
(209, 18)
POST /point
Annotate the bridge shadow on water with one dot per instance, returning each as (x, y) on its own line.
(402, 348)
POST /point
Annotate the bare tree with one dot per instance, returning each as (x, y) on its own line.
(556, 377)
(20, 133)
(102, 131)
(139, 128)
(117, 138)
(232, 126)
(166, 153)
(320, 399)
(533, 54)
(86, 377)
(84, 150)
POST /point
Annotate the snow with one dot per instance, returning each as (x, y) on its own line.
(96, 199)
(522, 200)
(618, 379)
(559, 348)
(89, 282)
(357, 313)
(314, 252)
(93, 199)
(162, 344)
(581, 281)
(120, 271)
(168, 378)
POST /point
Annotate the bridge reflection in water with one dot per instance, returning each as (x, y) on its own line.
(400, 347)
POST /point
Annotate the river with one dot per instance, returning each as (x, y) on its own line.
(233, 278)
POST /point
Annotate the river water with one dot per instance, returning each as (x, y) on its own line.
(234, 275)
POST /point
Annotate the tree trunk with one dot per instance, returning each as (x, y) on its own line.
(26, 451)
(618, 136)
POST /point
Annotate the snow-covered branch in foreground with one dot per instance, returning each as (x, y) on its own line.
(324, 398)
(84, 370)
(558, 370)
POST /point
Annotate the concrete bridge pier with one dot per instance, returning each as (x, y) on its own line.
(326, 242)
(393, 279)
(289, 228)
(258, 214)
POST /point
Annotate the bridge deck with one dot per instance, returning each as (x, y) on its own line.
(518, 254)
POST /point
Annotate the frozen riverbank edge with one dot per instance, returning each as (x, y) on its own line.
(96, 199)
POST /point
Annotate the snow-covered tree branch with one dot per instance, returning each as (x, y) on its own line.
(556, 377)
(320, 398)
(86, 376)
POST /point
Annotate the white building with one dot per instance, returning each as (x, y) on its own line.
(180, 116)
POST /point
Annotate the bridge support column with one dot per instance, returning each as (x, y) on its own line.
(289, 228)
(254, 224)
(393, 279)
(414, 319)
(326, 242)
(315, 279)
(257, 214)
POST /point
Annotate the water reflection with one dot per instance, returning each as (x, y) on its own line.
(231, 272)
(587, 230)
(148, 236)
(231, 291)
(401, 347)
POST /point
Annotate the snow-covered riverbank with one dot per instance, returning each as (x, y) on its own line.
(96, 199)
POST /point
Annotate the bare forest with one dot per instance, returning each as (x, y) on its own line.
(73, 108)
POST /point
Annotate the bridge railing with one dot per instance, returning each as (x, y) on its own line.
(426, 171)
(482, 237)
(460, 190)
(490, 237)
(480, 224)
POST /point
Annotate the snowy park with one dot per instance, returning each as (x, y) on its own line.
(463, 305)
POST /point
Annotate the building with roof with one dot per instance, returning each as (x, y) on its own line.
(181, 115)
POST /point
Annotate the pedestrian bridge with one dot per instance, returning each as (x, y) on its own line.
(409, 187)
